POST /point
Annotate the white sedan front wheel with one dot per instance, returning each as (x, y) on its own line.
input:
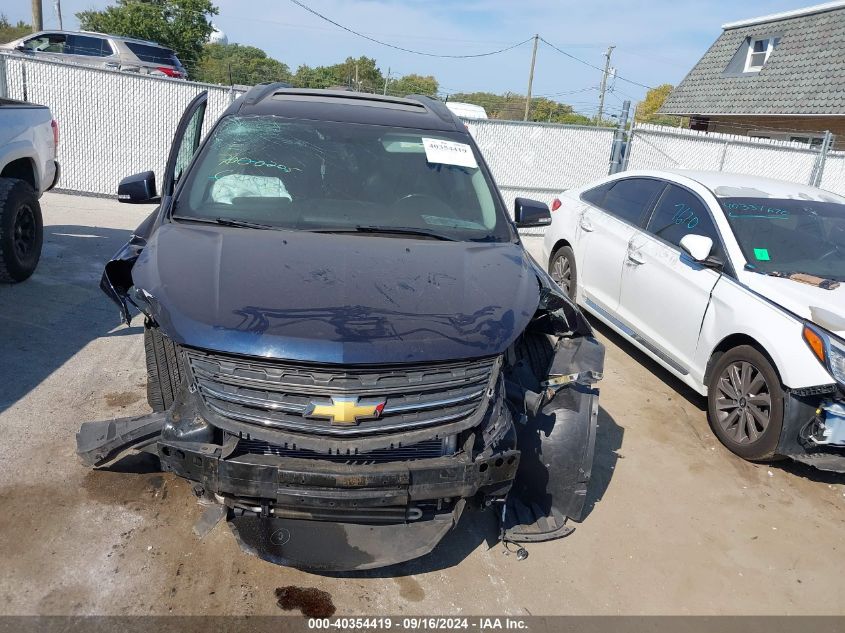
(745, 403)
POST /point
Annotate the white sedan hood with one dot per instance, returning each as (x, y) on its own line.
(825, 308)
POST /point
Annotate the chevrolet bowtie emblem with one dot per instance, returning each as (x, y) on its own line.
(345, 411)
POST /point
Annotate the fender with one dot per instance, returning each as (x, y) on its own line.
(116, 281)
(23, 149)
(781, 336)
(559, 413)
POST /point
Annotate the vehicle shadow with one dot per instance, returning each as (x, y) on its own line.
(609, 437)
(51, 316)
(690, 395)
(806, 471)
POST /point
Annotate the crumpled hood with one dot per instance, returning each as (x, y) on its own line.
(825, 308)
(335, 298)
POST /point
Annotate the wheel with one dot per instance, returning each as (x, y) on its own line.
(745, 403)
(562, 270)
(21, 230)
(164, 373)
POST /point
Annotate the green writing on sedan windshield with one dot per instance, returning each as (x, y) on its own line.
(750, 210)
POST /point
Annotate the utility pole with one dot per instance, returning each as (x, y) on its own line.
(37, 19)
(357, 85)
(386, 79)
(619, 139)
(57, 5)
(531, 78)
(603, 88)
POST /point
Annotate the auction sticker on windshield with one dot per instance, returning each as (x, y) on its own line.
(449, 153)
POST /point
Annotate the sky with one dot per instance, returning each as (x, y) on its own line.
(655, 42)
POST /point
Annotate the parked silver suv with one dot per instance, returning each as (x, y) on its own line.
(102, 51)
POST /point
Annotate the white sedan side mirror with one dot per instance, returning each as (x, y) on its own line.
(697, 246)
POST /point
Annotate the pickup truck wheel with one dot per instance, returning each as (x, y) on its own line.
(562, 270)
(21, 230)
(745, 403)
(164, 374)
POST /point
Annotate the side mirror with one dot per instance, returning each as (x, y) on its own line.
(698, 247)
(20, 48)
(527, 213)
(138, 189)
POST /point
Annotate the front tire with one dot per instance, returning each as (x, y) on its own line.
(164, 373)
(562, 270)
(21, 230)
(745, 403)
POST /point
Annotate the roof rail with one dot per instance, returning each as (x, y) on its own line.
(439, 108)
(260, 91)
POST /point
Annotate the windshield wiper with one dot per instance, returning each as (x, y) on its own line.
(388, 230)
(224, 221)
(243, 223)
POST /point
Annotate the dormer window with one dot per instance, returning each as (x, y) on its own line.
(758, 53)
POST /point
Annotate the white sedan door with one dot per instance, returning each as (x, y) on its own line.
(607, 224)
(664, 292)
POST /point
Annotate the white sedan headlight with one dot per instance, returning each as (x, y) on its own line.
(829, 349)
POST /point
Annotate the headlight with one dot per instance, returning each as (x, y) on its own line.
(829, 349)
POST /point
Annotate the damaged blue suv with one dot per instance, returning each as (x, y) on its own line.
(346, 341)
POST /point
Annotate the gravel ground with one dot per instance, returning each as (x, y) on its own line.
(677, 525)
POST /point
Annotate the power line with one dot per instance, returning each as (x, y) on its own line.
(568, 92)
(399, 48)
(586, 63)
(405, 36)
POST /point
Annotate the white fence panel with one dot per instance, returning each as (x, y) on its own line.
(542, 157)
(111, 124)
(833, 177)
(114, 124)
(657, 147)
(539, 160)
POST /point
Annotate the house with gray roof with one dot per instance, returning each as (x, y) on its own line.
(779, 76)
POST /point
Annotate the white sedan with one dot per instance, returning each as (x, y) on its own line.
(734, 283)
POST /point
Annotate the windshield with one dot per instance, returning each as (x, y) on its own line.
(330, 176)
(789, 236)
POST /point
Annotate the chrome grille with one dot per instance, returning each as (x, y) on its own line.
(277, 394)
(428, 449)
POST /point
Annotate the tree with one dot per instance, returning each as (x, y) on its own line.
(319, 77)
(9, 31)
(413, 84)
(497, 106)
(647, 110)
(511, 106)
(238, 64)
(183, 25)
(360, 74)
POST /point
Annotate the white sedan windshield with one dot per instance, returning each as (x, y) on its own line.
(789, 236)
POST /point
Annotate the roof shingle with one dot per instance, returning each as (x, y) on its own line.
(805, 74)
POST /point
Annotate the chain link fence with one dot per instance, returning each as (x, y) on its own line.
(111, 123)
(539, 160)
(114, 123)
(658, 147)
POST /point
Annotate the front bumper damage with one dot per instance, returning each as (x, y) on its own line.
(814, 428)
(315, 514)
(308, 513)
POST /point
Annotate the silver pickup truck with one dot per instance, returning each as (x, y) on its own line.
(29, 137)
